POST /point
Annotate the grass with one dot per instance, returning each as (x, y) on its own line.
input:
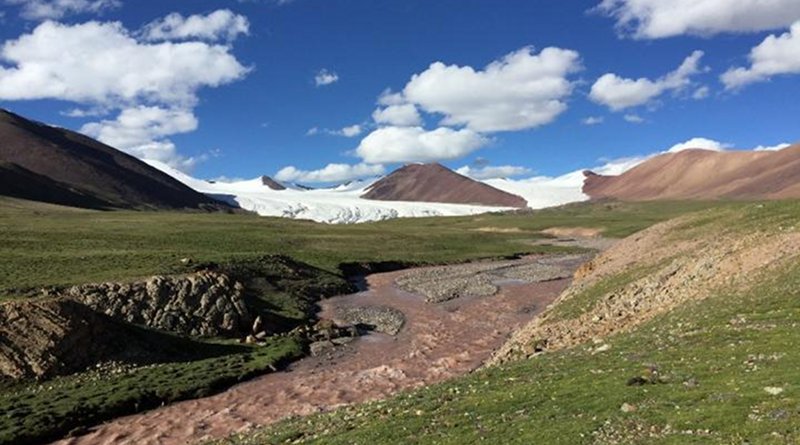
(728, 372)
(33, 413)
(45, 245)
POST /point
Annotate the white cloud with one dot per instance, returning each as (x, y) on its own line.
(56, 9)
(633, 118)
(415, 144)
(330, 173)
(351, 131)
(619, 93)
(652, 19)
(221, 24)
(102, 63)
(401, 115)
(522, 90)
(772, 147)
(388, 98)
(774, 56)
(325, 77)
(701, 93)
(104, 67)
(701, 143)
(593, 120)
(142, 131)
(492, 172)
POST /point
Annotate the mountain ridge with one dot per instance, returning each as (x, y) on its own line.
(60, 166)
(697, 174)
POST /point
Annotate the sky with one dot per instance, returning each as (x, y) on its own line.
(325, 91)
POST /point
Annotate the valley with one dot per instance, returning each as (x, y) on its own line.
(232, 244)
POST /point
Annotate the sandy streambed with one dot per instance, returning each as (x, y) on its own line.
(438, 341)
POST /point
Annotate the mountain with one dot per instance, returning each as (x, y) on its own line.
(55, 165)
(339, 205)
(704, 174)
(436, 183)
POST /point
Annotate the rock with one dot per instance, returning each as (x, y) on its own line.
(319, 347)
(257, 325)
(201, 304)
(378, 318)
(773, 390)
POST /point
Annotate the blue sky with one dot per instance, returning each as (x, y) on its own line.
(243, 98)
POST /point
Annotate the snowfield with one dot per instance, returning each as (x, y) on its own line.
(344, 205)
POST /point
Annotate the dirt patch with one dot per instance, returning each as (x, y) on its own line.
(570, 232)
(437, 342)
(677, 271)
(490, 229)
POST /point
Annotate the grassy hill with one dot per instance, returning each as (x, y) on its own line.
(712, 361)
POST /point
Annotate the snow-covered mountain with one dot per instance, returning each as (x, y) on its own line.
(344, 204)
(337, 205)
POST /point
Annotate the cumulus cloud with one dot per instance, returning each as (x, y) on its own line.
(593, 120)
(702, 143)
(104, 67)
(521, 90)
(619, 93)
(653, 19)
(142, 131)
(57, 9)
(102, 63)
(492, 172)
(325, 77)
(415, 144)
(222, 24)
(774, 56)
(330, 173)
(351, 131)
(401, 115)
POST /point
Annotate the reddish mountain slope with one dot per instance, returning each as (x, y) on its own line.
(436, 183)
(55, 165)
(704, 174)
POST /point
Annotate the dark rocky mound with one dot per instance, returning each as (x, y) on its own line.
(704, 174)
(204, 304)
(42, 339)
(436, 183)
(55, 165)
(271, 183)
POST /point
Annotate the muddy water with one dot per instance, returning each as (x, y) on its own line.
(438, 341)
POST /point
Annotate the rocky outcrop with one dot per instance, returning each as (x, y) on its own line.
(50, 337)
(201, 304)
